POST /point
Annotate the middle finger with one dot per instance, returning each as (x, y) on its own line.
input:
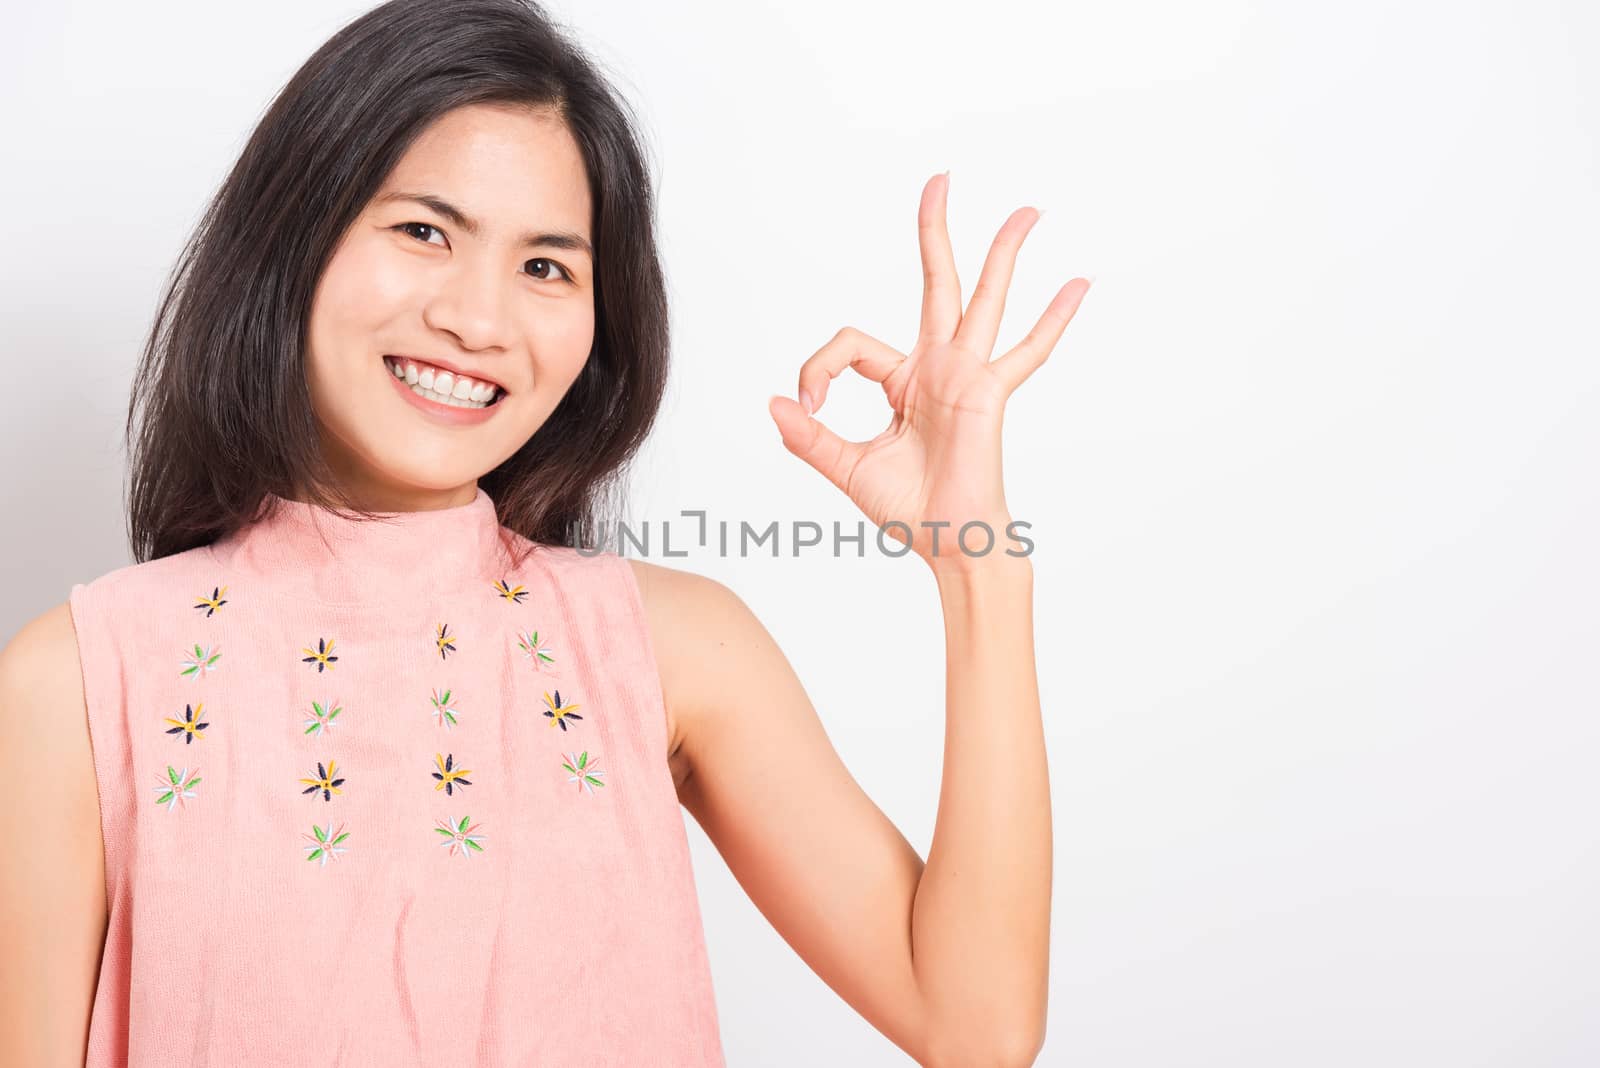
(941, 289)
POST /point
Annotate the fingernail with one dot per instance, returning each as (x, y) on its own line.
(805, 401)
(1090, 278)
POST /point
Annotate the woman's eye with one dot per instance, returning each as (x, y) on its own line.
(566, 276)
(412, 229)
(410, 226)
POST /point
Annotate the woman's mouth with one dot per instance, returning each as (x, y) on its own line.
(441, 386)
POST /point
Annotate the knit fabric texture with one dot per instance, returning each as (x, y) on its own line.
(370, 797)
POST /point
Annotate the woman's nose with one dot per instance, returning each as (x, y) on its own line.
(471, 304)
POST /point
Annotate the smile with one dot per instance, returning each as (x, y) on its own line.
(441, 386)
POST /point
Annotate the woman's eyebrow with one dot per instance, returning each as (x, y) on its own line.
(556, 239)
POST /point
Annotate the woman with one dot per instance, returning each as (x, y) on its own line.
(417, 338)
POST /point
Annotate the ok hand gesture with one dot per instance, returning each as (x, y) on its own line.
(939, 459)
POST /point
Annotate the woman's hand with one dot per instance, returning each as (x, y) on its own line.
(939, 460)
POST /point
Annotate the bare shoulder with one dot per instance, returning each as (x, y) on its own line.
(41, 679)
(694, 621)
(55, 902)
(747, 729)
(44, 719)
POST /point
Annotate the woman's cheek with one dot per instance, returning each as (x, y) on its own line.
(374, 282)
(568, 337)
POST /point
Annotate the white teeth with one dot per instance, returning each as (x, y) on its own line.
(453, 402)
(458, 391)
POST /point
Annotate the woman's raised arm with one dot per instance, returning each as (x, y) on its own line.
(949, 959)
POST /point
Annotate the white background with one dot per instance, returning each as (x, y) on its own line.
(1311, 474)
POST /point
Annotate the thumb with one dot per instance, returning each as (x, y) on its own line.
(811, 441)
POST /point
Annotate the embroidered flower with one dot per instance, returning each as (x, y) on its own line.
(323, 656)
(214, 602)
(448, 778)
(459, 838)
(322, 717)
(203, 661)
(445, 641)
(324, 782)
(584, 771)
(514, 594)
(536, 649)
(176, 787)
(558, 712)
(442, 710)
(190, 726)
(324, 843)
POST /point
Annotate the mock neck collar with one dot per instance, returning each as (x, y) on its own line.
(311, 552)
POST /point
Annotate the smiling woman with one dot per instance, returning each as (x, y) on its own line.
(484, 208)
(418, 336)
(413, 269)
(407, 353)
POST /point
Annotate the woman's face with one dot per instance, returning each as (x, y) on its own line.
(491, 278)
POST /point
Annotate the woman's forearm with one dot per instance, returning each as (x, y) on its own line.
(981, 916)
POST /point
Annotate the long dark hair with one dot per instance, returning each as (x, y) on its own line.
(221, 413)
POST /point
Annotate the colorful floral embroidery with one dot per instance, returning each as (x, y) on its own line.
(442, 710)
(190, 726)
(459, 838)
(449, 776)
(214, 602)
(514, 594)
(445, 642)
(176, 787)
(558, 712)
(535, 649)
(203, 661)
(322, 717)
(324, 782)
(584, 771)
(324, 843)
(323, 656)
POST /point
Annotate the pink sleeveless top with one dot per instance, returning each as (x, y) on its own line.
(370, 797)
